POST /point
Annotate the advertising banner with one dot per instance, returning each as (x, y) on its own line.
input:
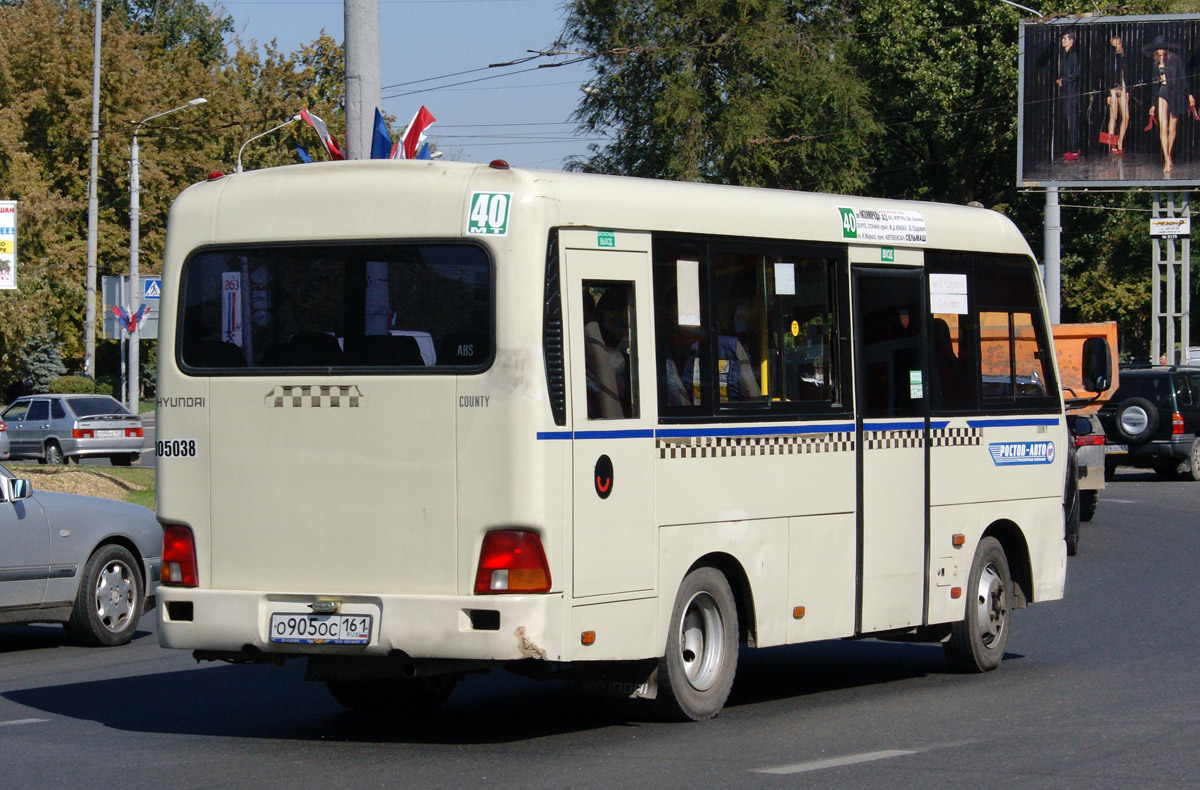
(1109, 101)
(8, 245)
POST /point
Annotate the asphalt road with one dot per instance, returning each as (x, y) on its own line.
(1098, 690)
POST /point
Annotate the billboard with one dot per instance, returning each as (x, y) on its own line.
(1109, 101)
(8, 245)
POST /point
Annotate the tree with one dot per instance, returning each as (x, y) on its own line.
(750, 93)
(179, 23)
(42, 362)
(154, 57)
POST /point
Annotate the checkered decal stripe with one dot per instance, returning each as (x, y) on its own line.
(956, 437)
(893, 440)
(744, 446)
(303, 396)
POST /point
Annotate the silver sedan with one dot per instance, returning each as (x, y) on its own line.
(91, 564)
(57, 429)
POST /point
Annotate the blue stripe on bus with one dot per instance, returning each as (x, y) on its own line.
(1014, 422)
(642, 433)
(695, 433)
(771, 430)
(911, 425)
(779, 430)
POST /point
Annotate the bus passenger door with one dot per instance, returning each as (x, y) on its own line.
(890, 394)
(610, 336)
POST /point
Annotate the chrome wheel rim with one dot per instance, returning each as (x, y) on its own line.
(992, 606)
(115, 604)
(701, 641)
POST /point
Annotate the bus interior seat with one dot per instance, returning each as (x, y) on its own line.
(604, 400)
(305, 349)
(384, 351)
(213, 354)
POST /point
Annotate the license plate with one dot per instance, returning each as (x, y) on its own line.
(1116, 449)
(321, 629)
(108, 434)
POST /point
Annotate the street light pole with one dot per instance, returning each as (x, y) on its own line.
(89, 311)
(135, 280)
(291, 120)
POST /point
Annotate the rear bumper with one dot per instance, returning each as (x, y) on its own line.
(1151, 453)
(422, 626)
(90, 448)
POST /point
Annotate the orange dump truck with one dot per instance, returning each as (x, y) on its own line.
(1068, 345)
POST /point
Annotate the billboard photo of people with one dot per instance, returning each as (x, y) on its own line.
(1109, 101)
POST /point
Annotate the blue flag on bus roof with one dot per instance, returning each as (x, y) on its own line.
(304, 157)
(423, 152)
(381, 139)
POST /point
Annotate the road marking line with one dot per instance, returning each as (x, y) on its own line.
(16, 722)
(1123, 501)
(834, 762)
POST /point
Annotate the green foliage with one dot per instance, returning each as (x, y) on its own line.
(750, 93)
(72, 385)
(907, 99)
(180, 23)
(155, 56)
(42, 362)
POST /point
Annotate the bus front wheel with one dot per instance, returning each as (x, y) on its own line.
(696, 673)
(977, 642)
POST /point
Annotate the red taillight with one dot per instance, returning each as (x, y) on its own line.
(82, 433)
(178, 557)
(1089, 441)
(133, 432)
(3, 427)
(1176, 424)
(512, 561)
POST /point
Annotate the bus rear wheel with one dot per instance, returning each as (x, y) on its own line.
(696, 672)
(403, 699)
(977, 642)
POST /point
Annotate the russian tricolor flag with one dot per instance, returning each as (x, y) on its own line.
(414, 135)
(323, 132)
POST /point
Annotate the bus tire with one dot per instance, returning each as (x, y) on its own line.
(1088, 500)
(976, 643)
(405, 699)
(696, 672)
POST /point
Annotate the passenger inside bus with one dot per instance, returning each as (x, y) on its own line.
(608, 329)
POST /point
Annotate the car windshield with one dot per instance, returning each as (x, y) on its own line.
(95, 406)
(1156, 389)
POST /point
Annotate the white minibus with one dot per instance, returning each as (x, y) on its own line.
(417, 419)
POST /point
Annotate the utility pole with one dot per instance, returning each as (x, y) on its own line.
(89, 313)
(362, 75)
(1051, 255)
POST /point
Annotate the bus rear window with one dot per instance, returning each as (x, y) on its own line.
(363, 307)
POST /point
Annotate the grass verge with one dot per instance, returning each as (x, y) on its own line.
(128, 484)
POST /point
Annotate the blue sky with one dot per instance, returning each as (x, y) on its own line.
(522, 116)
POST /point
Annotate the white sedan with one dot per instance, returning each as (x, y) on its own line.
(91, 564)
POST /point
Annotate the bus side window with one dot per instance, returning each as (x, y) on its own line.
(1012, 342)
(610, 350)
(681, 323)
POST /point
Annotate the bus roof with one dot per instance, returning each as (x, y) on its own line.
(391, 199)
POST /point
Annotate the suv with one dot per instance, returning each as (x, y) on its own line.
(1153, 421)
(56, 429)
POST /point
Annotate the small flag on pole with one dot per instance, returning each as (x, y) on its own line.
(381, 140)
(304, 157)
(423, 152)
(414, 135)
(323, 132)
